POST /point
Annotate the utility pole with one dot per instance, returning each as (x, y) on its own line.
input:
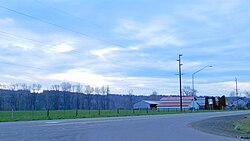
(179, 60)
(236, 92)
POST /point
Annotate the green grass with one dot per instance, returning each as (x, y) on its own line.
(6, 116)
(243, 126)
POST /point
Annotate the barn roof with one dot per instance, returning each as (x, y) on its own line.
(176, 98)
(173, 103)
(151, 102)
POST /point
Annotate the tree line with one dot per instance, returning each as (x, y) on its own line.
(65, 96)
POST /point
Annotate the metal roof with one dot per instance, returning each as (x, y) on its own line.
(151, 102)
(177, 98)
(173, 103)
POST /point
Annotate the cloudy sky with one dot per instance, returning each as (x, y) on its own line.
(126, 44)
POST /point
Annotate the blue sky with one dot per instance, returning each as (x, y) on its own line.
(127, 44)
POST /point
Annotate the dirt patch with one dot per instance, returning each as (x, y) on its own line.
(222, 126)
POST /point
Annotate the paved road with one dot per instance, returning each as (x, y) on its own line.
(144, 128)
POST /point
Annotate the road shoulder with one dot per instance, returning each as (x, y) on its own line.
(222, 126)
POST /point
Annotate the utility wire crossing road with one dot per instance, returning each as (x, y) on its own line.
(172, 127)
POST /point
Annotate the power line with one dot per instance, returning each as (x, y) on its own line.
(53, 24)
(76, 17)
(39, 42)
(20, 65)
(28, 39)
(35, 41)
(26, 66)
(68, 14)
(59, 26)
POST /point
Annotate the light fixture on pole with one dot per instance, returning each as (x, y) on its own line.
(195, 73)
(193, 80)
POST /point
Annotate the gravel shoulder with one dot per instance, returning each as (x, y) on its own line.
(222, 126)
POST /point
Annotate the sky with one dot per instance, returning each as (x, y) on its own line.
(127, 44)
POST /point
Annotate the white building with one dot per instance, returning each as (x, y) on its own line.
(145, 104)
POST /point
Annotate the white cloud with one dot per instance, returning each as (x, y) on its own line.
(64, 47)
(19, 78)
(138, 85)
(164, 40)
(153, 33)
(221, 88)
(135, 47)
(24, 46)
(80, 76)
(189, 65)
(201, 30)
(7, 21)
(102, 52)
(144, 85)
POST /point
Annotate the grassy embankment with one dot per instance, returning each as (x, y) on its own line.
(6, 116)
(243, 126)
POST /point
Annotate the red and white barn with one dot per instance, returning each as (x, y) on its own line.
(174, 103)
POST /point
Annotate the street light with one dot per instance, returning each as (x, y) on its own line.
(193, 80)
(195, 73)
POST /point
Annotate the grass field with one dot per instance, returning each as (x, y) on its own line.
(6, 116)
(243, 126)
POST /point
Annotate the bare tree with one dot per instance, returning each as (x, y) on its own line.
(66, 87)
(130, 98)
(56, 96)
(89, 90)
(55, 87)
(102, 100)
(108, 98)
(24, 86)
(97, 92)
(187, 91)
(232, 94)
(154, 96)
(231, 97)
(247, 94)
(35, 90)
(1, 101)
(78, 89)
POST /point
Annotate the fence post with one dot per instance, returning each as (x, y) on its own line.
(12, 114)
(47, 113)
(99, 112)
(76, 112)
(32, 114)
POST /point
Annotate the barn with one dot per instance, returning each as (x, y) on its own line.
(146, 104)
(201, 102)
(174, 103)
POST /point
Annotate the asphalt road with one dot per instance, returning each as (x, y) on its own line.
(143, 128)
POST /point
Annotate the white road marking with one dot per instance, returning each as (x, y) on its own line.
(52, 122)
